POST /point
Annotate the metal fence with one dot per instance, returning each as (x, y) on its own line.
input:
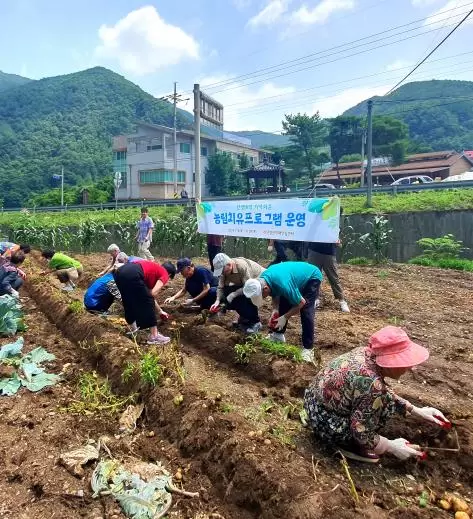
(316, 192)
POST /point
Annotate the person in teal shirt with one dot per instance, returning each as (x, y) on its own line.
(294, 287)
(67, 269)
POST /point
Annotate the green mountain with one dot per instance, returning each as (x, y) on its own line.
(439, 113)
(68, 121)
(11, 80)
(261, 139)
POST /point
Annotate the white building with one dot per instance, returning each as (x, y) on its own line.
(146, 160)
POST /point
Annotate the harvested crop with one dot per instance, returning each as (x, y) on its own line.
(461, 515)
(444, 504)
(459, 505)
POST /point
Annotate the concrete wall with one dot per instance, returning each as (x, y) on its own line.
(410, 227)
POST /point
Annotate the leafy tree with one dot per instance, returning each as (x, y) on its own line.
(219, 173)
(390, 137)
(344, 137)
(243, 161)
(354, 157)
(308, 133)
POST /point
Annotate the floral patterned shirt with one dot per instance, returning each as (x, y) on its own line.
(352, 386)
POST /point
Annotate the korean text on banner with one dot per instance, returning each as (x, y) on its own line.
(298, 219)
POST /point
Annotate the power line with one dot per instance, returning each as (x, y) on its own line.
(347, 44)
(431, 52)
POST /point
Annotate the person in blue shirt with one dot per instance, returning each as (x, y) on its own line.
(294, 287)
(101, 294)
(200, 284)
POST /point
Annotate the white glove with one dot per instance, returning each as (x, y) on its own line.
(270, 248)
(280, 323)
(14, 293)
(431, 415)
(231, 297)
(168, 300)
(188, 302)
(399, 447)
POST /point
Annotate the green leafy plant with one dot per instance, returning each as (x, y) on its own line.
(446, 263)
(378, 238)
(280, 349)
(150, 368)
(96, 396)
(11, 315)
(361, 260)
(446, 247)
(243, 352)
(382, 274)
(76, 307)
(128, 372)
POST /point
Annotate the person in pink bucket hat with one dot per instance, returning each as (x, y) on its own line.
(349, 401)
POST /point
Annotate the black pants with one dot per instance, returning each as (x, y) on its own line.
(243, 306)
(310, 293)
(137, 300)
(212, 251)
(299, 249)
(208, 300)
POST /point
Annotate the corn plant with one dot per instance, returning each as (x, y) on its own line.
(378, 238)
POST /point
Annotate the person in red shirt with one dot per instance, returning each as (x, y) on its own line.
(139, 284)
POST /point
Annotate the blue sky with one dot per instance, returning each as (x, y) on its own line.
(215, 41)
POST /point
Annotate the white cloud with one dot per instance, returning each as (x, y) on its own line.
(423, 3)
(398, 64)
(452, 12)
(321, 12)
(335, 105)
(235, 116)
(142, 42)
(270, 14)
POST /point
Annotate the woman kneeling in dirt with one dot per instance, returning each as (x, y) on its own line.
(349, 400)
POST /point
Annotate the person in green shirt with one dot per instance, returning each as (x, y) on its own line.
(294, 287)
(67, 269)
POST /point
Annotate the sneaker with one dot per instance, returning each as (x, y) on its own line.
(317, 303)
(255, 328)
(307, 355)
(344, 307)
(158, 339)
(276, 337)
(358, 453)
(68, 288)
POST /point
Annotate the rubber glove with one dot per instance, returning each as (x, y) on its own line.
(280, 323)
(168, 300)
(188, 302)
(14, 293)
(214, 308)
(399, 447)
(431, 415)
(164, 315)
(273, 319)
(270, 248)
(231, 297)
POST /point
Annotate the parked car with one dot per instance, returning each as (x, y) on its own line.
(318, 186)
(459, 178)
(416, 179)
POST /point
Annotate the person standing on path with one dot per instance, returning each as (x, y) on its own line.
(294, 287)
(233, 274)
(144, 235)
(324, 256)
(214, 247)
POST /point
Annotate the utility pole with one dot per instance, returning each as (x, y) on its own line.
(174, 141)
(369, 176)
(175, 97)
(362, 173)
(62, 186)
(198, 189)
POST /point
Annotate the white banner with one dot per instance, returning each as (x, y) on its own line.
(298, 219)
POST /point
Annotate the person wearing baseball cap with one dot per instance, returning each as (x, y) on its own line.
(294, 287)
(349, 401)
(200, 284)
(233, 274)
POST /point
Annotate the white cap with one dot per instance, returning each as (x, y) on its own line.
(113, 248)
(253, 289)
(122, 258)
(219, 263)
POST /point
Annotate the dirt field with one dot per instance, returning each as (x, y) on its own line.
(235, 432)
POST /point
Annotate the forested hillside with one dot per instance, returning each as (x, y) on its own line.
(67, 121)
(439, 113)
(11, 80)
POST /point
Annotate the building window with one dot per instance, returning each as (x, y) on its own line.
(203, 151)
(119, 155)
(161, 176)
(154, 147)
(185, 147)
